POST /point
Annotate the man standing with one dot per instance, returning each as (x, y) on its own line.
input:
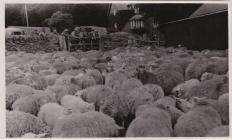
(65, 34)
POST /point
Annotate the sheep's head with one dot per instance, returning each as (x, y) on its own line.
(206, 76)
(183, 104)
(173, 111)
(178, 91)
(109, 106)
(198, 101)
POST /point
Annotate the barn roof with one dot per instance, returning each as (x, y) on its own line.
(118, 7)
(207, 9)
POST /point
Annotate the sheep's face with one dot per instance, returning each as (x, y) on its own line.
(206, 76)
(183, 105)
(198, 101)
(109, 107)
(79, 93)
(178, 91)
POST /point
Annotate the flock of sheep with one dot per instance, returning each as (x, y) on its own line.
(125, 92)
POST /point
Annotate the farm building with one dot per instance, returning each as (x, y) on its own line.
(192, 26)
(207, 27)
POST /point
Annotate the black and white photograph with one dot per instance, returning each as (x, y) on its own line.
(77, 70)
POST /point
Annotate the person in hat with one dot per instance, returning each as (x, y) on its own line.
(65, 33)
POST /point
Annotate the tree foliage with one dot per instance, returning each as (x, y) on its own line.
(82, 14)
(60, 21)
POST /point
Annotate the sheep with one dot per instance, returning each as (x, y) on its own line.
(221, 131)
(61, 67)
(116, 107)
(47, 72)
(153, 122)
(61, 90)
(51, 79)
(83, 81)
(89, 124)
(196, 69)
(197, 122)
(155, 90)
(167, 101)
(217, 65)
(35, 81)
(64, 80)
(115, 79)
(50, 113)
(182, 90)
(76, 104)
(129, 85)
(171, 66)
(211, 88)
(95, 94)
(19, 123)
(167, 80)
(185, 105)
(32, 103)
(206, 76)
(98, 77)
(13, 74)
(171, 110)
(223, 105)
(15, 91)
(136, 98)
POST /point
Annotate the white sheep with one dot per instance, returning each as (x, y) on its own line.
(95, 94)
(166, 100)
(35, 81)
(19, 123)
(32, 103)
(153, 122)
(185, 105)
(182, 90)
(211, 88)
(221, 131)
(83, 80)
(98, 77)
(115, 79)
(50, 113)
(61, 90)
(51, 79)
(129, 84)
(155, 90)
(76, 104)
(223, 105)
(197, 122)
(89, 124)
(196, 69)
(171, 110)
(15, 91)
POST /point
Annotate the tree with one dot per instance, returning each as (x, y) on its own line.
(60, 21)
